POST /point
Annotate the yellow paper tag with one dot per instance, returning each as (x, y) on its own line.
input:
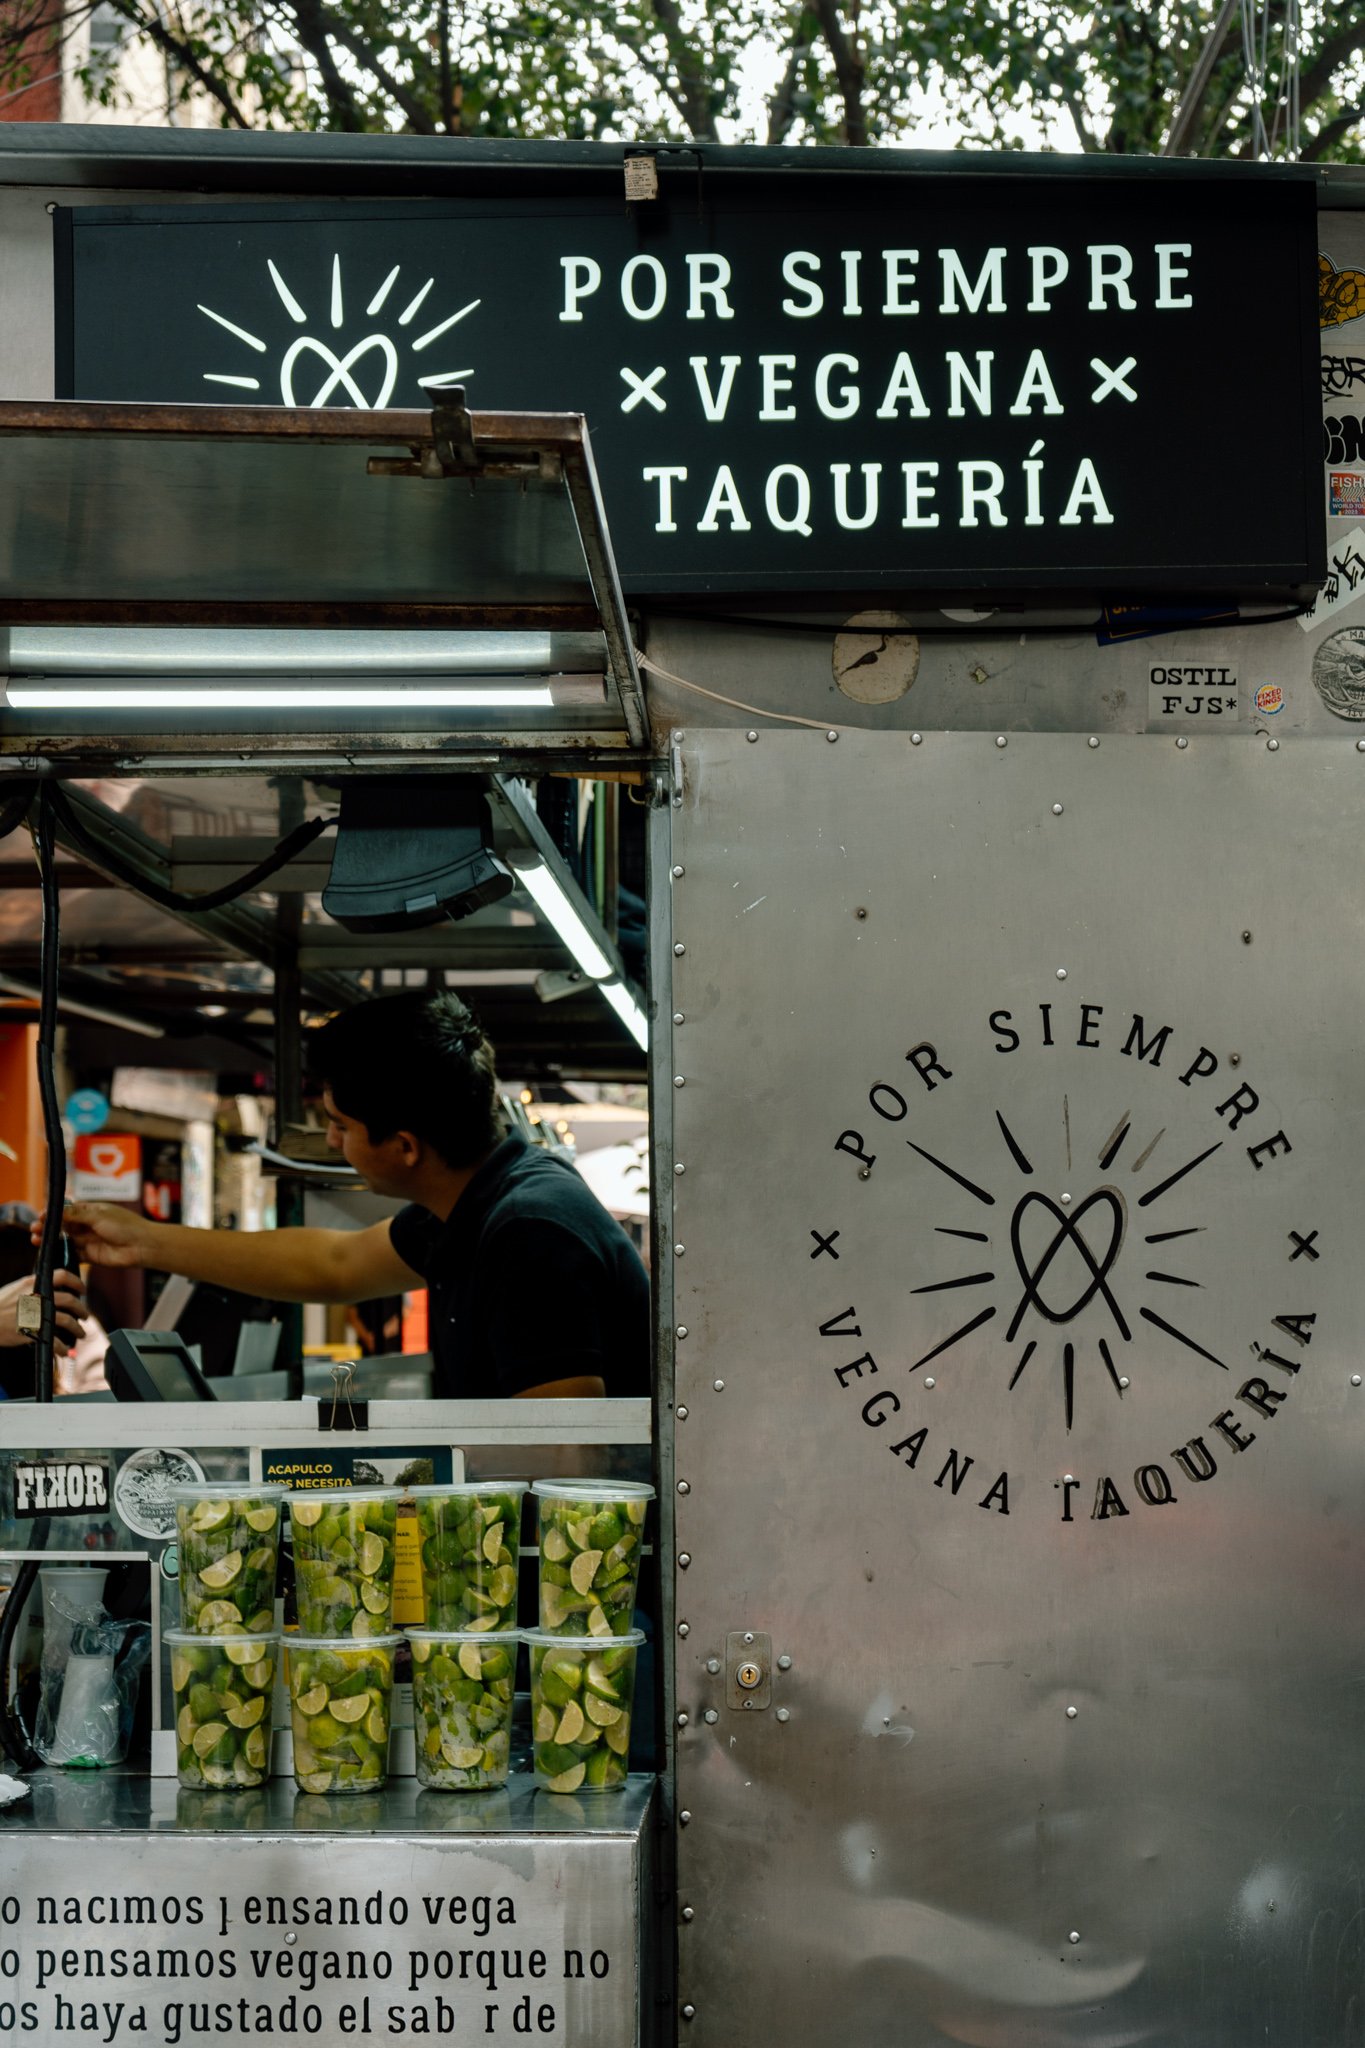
(409, 1595)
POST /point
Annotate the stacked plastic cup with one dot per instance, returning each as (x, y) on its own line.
(339, 1668)
(590, 1540)
(224, 1653)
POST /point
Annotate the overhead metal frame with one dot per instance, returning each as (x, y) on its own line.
(524, 547)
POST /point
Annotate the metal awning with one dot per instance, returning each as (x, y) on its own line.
(172, 577)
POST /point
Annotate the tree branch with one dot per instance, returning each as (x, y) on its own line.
(306, 21)
(696, 96)
(418, 116)
(848, 71)
(182, 54)
(782, 105)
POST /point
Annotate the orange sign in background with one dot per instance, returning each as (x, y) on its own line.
(106, 1166)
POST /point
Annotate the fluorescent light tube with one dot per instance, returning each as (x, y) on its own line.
(68, 697)
(628, 1010)
(550, 898)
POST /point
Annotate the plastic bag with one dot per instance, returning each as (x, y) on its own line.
(88, 1686)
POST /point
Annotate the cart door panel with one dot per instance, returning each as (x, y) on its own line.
(1019, 1121)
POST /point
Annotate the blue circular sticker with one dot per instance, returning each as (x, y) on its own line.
(87, 1110)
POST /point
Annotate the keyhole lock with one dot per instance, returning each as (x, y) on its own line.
(748, 1669)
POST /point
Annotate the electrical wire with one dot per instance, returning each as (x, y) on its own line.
(45, 843)
(179, 899)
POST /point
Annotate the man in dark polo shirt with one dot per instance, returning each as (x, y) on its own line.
(534, 1289)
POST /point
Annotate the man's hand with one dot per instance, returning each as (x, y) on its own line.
(68, 1301)
(103, 1234)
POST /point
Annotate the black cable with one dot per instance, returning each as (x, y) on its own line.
(179, 899)
(13, 1734)
(16, 808)
(45, 841)
(1013, 627)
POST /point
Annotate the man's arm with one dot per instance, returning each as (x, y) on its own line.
(282, 1265)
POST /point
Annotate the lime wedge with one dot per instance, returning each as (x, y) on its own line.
(211, 1514)
(253, 1749)
(479, 1624)
(374, 1597)
(262, 1560)
(471, 1660)
(617, 1737)
(601, 1713)
(462, 1756)
(556, 1546)
(570, 1724)
(370, 1552)
(259, 1674)
(182, 1671)
(421, 1653)
(217, 1617)
(261, 1519)
(377, 1725)
(219, 1776)
(568, 1781)
(492, 1542)
(248, 1714)
(583, 1570)
(635, 1511)
(554, 1608)
(184, 1726)
(502, 1586)
(313, 1701)
(239, 1651)
(217, 1576)
(315, 1781)
(543, 1730)
(598, 1681)
(306, 1513)
(580, 1532)
(208, 1737)
(353, 1709)
(598, 1625)
(262, 1621)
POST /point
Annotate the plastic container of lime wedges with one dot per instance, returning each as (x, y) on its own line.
(590, 1533)
(228, 1539)
(462, 1690)
(340, 1694)
(581, 1693)
(469, 1536)
(222, 1687)
(343, 1560)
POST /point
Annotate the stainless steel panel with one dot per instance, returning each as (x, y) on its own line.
(1064, 1760)
(130, 1912)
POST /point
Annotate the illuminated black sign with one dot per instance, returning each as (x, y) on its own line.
(800, 381)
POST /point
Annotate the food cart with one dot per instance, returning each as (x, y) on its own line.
(999, 733)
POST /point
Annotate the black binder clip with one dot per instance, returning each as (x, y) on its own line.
(345, 1412)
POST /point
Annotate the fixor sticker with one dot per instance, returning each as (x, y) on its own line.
(66, 1486)
(1347, 493)
(1345, 580)
(1269, 700)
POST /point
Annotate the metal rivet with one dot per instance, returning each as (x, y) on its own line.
(751, 737)
(680, 948)
(679, 1081)
(1073, 1936)
(748, 1635)
(679, 872)
(678, 1017)
(931, 1382)
(682, 1720)
(1123, 1379)
(679, 1167)
(679, 736)
(861, 911)
(1182, 744)
(784, 1663)
(1001, 741)
(678, 1250)
(1071, 1713)
(1246, 938)
(1067, 1479)
(1092, 741)
(684, 1628)
(684, 1486)
(1061, 974)
(689, 1912)
(719, 1386)
(683, 1818)
(681, 1330)
(710, 1717)
(682, 1414)
(784, 1713)
(1066, 1198)
(1056, 810)
(1272, 746)
(689, 2012)
(864, 1173)
(291, 1937)
(684, 1557)
(1234, 1059)
(1355, 1379)
(677, 803)
(831, 735)
(916, 739)
(713, 1665)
